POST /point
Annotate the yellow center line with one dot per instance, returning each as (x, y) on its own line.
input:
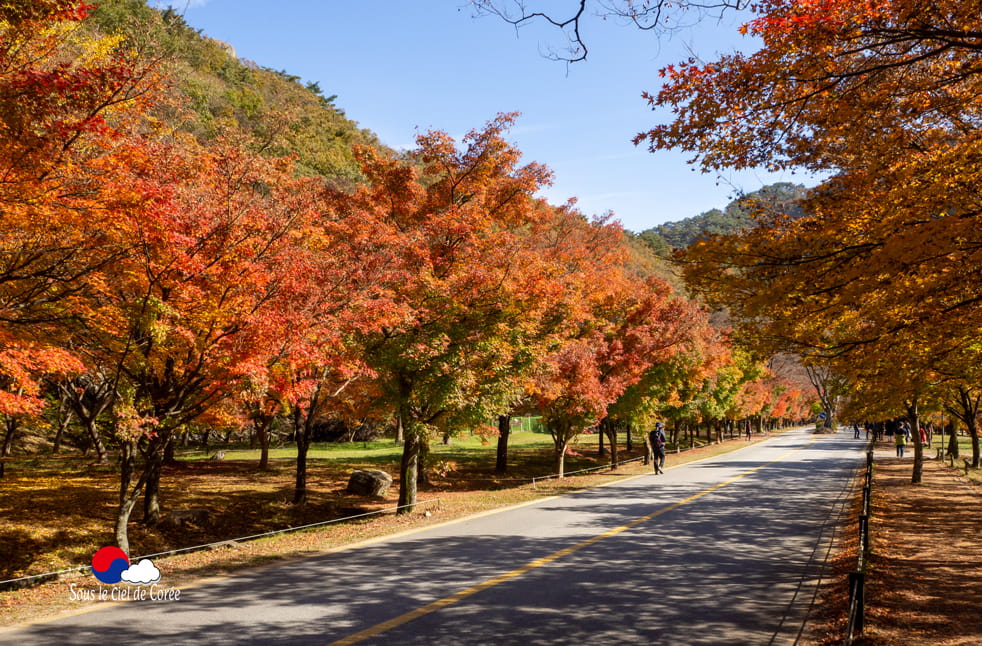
(531, 565)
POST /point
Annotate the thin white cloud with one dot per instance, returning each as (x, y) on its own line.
(142, 573)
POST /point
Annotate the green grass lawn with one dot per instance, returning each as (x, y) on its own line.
(380, 449)
(964, 451)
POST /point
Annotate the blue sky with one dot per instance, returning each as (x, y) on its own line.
(400, 66)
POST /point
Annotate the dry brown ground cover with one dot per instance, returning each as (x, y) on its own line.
(924, 580)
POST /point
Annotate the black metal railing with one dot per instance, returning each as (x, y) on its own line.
(857, 578)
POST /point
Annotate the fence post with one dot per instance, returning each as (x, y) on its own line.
(857, 581)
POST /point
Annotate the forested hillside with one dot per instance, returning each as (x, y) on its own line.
(285, 115)
(737, 216)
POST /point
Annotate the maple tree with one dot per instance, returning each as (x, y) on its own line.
(577, 250)
(625, 328)
(675, 382)
(319, 371)
(59, 97)
(469, 278)
(195, 308)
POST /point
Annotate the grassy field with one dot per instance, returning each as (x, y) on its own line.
(386, 450)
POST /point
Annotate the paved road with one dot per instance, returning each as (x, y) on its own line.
(723, 551)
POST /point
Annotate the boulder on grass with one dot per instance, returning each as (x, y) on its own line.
(369, 482)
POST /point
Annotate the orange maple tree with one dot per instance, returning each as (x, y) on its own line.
(58, 103)
(469, 275)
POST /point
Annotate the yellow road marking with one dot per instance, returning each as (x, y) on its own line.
(531, 565)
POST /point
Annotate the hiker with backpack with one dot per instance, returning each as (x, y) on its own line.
(658, 442)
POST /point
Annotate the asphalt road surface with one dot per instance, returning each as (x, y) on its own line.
(727, 550)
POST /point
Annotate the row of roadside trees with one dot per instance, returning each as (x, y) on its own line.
(150, 279)
(876, 287)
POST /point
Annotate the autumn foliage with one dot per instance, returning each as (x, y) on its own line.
(878, 280)
(152, 279)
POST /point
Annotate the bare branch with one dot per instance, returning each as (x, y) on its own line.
(646, 15)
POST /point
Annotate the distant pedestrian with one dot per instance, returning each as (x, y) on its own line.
(900, 437)
(923, 436)
(658, 442)
(855, 428)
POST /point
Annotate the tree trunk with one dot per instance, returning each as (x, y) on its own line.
(169, 451)
(127, 496)
(611, 431)
(975, 446)
(561, 459)
(122, 522)
(261, 424)
(300, 485)
(303, 430)
(65, 416)
(93, 430)
(151, 497)
(967, 410)
(422, 472)
(600, 440)
(915, 429)
(629, 440)
(408, 471)
(504, 430)
(10, 425)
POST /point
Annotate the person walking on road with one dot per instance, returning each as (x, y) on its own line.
(900, 437)
(658, 442)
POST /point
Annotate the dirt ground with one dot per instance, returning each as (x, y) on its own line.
(924, 580)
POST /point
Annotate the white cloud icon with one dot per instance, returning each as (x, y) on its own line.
(143, 572)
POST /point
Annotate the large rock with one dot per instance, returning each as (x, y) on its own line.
(369, 483)
(181, 518)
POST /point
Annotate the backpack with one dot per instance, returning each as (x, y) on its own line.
(657, 439)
